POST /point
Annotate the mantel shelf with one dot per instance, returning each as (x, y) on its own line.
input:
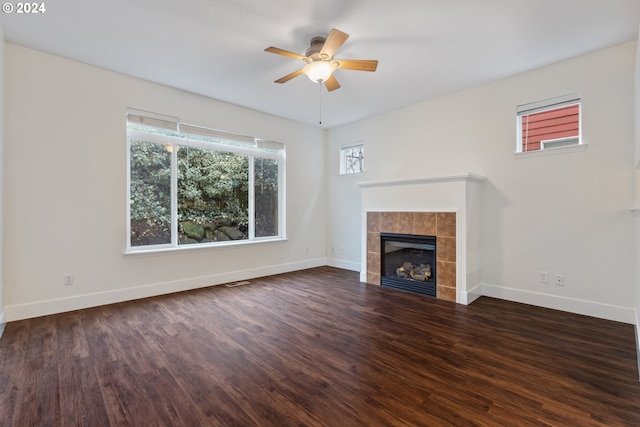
(468, 177)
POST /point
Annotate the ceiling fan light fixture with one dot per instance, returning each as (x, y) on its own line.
(320, 64)
(319, 71)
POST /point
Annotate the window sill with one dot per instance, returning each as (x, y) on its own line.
(352, 174)
(578, 148)
(200, 247)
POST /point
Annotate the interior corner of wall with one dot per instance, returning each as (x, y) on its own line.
(3, 323)
(637, 335)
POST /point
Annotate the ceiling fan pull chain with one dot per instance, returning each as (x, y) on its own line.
(320, 95)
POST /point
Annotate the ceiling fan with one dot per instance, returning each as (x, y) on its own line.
(320, 63)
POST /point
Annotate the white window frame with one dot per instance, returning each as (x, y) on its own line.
(196, 136)
(343, 158)
(550, 144)
(565, 144)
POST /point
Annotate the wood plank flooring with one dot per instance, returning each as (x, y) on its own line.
(317, 348)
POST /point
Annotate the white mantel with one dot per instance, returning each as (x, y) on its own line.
(459, 193)
(467, 177)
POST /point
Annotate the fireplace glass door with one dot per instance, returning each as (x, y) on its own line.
(408, 262)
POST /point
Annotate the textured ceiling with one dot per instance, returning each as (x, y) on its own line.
(425, 48)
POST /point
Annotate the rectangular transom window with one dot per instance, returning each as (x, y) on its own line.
(553, 123)
(190, 185)
(352, 159)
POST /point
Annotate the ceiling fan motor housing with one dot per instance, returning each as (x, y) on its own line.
(315, 47)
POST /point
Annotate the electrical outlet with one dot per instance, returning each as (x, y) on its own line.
(544, 277)
(68, 279)
(559, 280)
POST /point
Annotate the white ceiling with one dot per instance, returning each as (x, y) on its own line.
(425, 48)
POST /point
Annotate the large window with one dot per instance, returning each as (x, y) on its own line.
(553, 123)
(190, 185)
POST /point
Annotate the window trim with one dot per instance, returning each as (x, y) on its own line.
(174, 138)
(166, 249)
(575, 148)
(566, 141)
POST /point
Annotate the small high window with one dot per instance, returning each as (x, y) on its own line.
(352, 159)
(553, 123)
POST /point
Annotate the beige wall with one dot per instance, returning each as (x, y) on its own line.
(565, 214)
(65, 186)
(637, 195)
(65, 192)
(2, 311)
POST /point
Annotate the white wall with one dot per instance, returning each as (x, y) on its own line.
(565, 214)
(2, 312)
(65, 186)
(637, 195)
(344, 234)
(65, 192)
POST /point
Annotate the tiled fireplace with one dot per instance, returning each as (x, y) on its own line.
(442, 225)
(447, 207)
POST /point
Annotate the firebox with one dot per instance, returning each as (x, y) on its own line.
(408, 262)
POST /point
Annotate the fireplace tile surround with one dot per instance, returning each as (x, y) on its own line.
(447, 207)
(439, 224)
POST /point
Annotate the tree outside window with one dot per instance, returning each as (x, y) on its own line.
(186, 191)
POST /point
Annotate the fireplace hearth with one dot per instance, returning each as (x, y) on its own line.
(408, 262)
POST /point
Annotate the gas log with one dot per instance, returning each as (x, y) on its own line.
(421, 272)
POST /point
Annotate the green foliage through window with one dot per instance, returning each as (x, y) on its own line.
(150, 202)
(266, 194)
(222, 193)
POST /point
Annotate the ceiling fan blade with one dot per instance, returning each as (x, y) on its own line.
(332, 44)
(358, 64)
(289, 77)
(332, 84)
(283, 52)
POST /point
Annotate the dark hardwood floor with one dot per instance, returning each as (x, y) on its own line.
(317, 348)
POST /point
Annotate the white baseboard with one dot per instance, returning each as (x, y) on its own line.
(587, 308)
(54, 306)
(345, 265)
(3, 322)
(47, 307)
(637, 334)
(470, 296)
